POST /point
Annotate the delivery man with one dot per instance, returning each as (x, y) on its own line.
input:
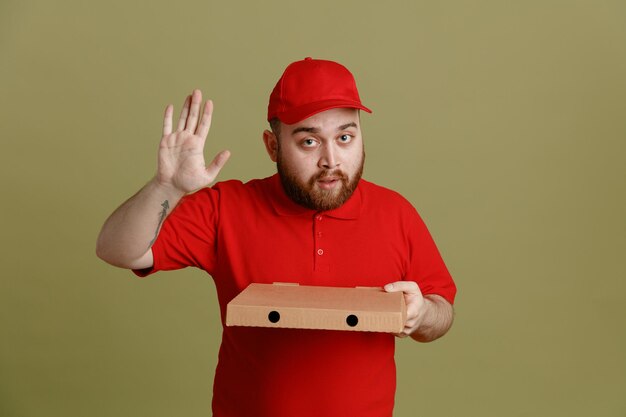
(314, 222)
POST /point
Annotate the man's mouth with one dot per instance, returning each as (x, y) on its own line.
(327, 183)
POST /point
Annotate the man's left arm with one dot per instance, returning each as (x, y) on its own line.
(428, 317)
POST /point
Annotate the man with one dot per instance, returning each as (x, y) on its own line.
(315, 222)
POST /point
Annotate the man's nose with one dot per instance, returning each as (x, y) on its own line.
(328, 158)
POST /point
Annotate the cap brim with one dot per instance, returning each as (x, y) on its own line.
(298, 114)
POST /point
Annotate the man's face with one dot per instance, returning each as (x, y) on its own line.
(320, 159)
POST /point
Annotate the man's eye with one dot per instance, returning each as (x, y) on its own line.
(345, 138)
(308, 142)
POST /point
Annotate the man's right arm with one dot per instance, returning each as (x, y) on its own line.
(128, 234)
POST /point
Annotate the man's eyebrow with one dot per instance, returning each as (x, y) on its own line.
(305, 129)
(347, 125)
(316, 130)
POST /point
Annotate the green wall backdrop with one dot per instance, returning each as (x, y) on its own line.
(503, 122)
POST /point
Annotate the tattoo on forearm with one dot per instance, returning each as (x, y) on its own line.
(166, 206)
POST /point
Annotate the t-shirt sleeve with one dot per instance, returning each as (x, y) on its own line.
(188, 235)
(426, 266)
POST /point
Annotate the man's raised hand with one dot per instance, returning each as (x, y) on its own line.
(181, 159)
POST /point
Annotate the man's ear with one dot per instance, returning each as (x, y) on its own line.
(271, 144)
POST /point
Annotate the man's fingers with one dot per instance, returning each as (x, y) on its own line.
(167, 120)
(182, 120)
(194, 110)
(408, 287)
(205, 122)
(216, 165)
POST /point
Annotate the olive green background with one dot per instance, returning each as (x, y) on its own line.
(503, 122)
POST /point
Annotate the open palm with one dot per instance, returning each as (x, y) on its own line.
(181, 159)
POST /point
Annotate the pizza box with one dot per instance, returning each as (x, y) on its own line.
(286, 305)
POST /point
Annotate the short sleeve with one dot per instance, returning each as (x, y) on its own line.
(188, 235)
(426, 266)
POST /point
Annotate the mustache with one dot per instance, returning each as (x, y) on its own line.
(327, 173)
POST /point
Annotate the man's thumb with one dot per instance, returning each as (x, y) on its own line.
(217, 163)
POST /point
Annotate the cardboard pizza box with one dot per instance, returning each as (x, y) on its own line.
(312, 307)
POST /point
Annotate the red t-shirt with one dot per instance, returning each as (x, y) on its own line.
(243, 233)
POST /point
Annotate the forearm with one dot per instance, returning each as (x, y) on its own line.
(438, 318)
(128, 234)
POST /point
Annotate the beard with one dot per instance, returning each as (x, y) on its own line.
(309, 195)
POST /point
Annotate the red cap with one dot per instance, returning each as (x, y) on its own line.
(311, 86)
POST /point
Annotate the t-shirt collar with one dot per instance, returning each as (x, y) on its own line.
(285, 206)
